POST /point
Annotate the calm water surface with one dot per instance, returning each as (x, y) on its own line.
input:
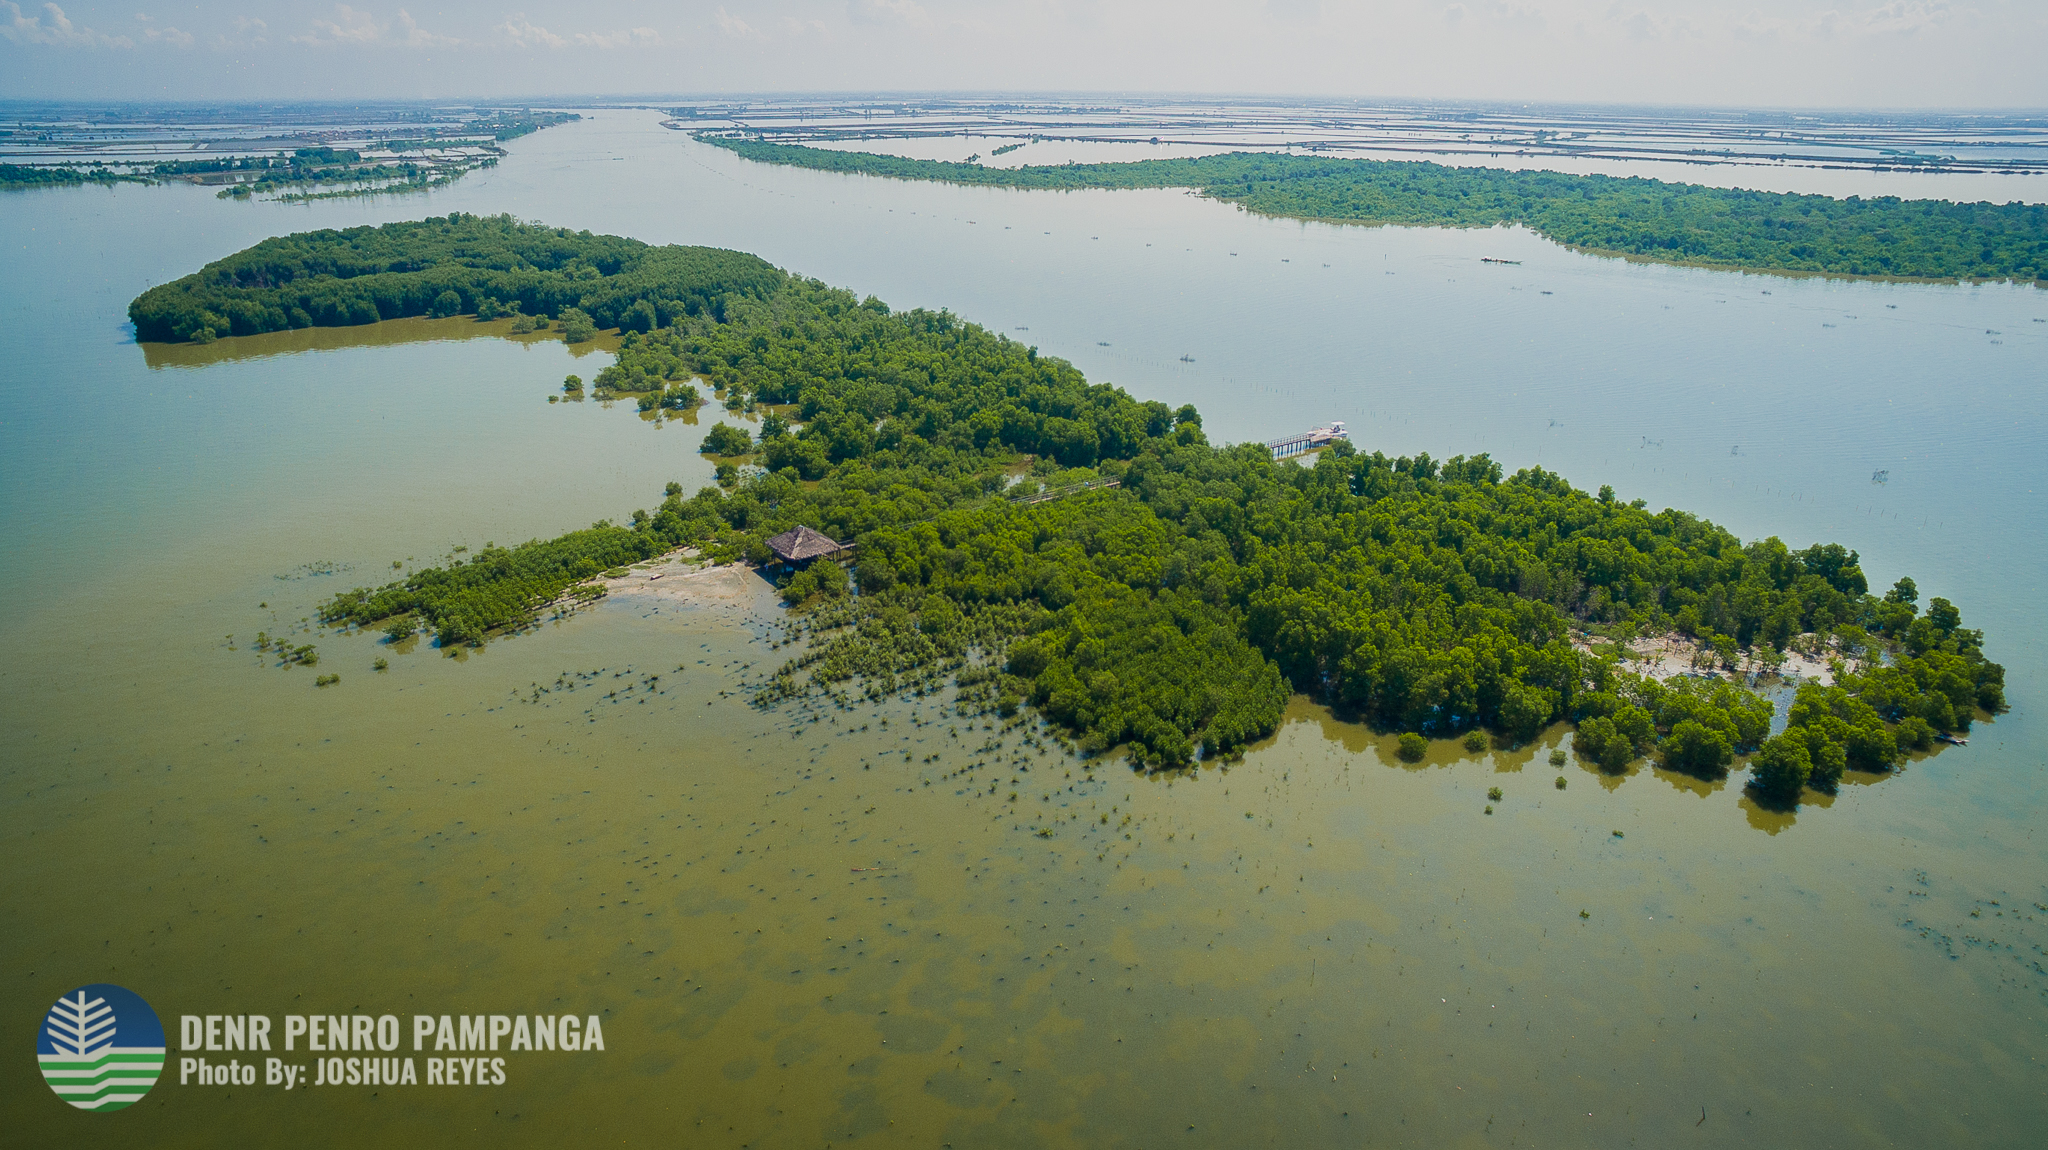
(815, 932)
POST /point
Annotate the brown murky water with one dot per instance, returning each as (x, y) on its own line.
(801, 929)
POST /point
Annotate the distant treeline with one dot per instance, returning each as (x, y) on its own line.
(510, 125)
(1173, 615)
(1678, 223)
(443, 266)
(317, 165)
(26, 176)
(302, 164)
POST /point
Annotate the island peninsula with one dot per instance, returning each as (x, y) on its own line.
(1171, 614)
(1631, 216)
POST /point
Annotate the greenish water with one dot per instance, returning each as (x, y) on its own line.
(1316, 946)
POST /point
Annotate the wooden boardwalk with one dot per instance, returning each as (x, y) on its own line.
(1063, 492)
(1308, 441)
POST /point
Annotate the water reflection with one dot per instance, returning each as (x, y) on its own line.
(388, 333)
(1772, 820)
(1689, 784)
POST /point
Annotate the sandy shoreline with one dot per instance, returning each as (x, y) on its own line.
(678, 578)
(1668, 656)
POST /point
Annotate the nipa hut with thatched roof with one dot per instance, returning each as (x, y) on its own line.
(799, 545)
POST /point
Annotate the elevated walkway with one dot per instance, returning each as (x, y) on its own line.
(1308, 441)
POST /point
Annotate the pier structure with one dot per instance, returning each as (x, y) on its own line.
(1308, 441)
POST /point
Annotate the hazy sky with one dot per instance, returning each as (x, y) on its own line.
(1834, 53)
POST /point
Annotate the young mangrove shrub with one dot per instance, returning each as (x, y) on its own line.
(1475, 741)
(381, 665)
(326, 680)
(577, 326)
(1560, 782)
(572, 384)
(1697, 749)
(822, 578)
(725, 439)
(726, 474)
(1781, 768)
(1557, 757)
(446, 304)
(640, 316)
(1413, 747)
(1913, 734)
(1493, 793)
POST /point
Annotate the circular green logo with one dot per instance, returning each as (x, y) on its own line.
(101, 1047)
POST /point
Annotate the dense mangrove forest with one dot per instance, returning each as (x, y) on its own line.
(1653, 219)
(42, 176)
(454, 265)
(1173, 614)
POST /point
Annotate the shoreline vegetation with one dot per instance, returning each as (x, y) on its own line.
(60, 176)
(487, 266)
(1634, 217)
(431, 158)
(1173, 615)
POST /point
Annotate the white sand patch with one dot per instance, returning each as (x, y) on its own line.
(1667, 656)
(678, 578)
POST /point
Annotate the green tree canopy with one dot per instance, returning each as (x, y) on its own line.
(361, 275)
(1678, 223)
(1174, 613)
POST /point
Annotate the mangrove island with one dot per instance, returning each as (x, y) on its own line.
(1170, 613)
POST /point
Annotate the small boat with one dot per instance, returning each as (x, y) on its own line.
(1187, 359)
(1491, 260)
(1952, 740)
